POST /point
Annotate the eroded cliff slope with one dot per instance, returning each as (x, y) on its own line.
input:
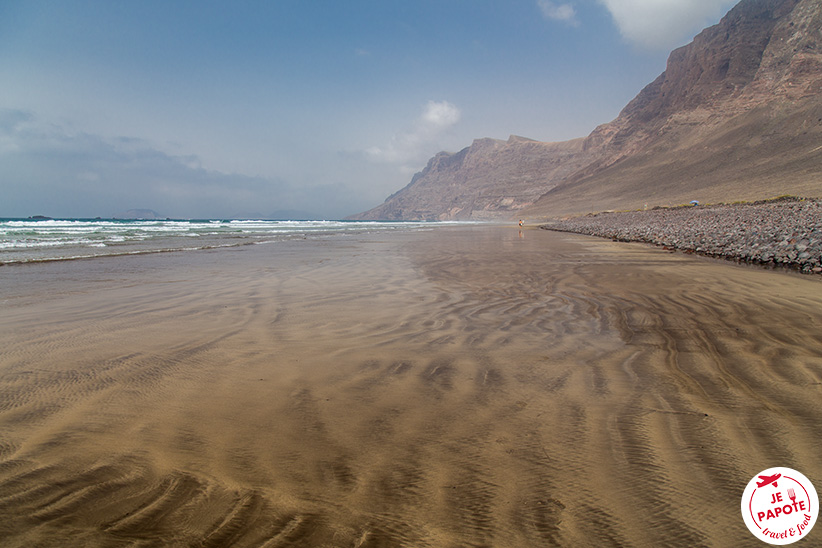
(737, 115)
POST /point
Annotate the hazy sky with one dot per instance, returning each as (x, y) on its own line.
(218, 109)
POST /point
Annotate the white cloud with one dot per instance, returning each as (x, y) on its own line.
(662, 24)
(558, 12)
(440, 115)
(417, 143)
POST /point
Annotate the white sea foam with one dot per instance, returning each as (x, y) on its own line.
(26, 240)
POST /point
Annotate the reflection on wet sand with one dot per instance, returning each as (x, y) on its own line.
(460, 387)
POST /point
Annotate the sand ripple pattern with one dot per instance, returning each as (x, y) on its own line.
(463, 387)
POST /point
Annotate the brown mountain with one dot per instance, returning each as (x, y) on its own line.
(488, 180)
(737, 115)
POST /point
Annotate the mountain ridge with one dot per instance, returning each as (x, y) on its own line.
(736, 115)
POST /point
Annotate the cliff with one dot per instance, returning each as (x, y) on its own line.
(487, 180)
(737, 115)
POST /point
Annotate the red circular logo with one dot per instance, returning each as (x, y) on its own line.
(780, 506)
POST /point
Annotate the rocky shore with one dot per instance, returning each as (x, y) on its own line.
(782, 232)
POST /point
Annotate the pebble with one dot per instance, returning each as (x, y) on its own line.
(784, 231)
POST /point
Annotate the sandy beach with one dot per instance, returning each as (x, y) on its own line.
(464, 386)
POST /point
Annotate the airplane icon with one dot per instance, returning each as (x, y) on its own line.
(766, 480)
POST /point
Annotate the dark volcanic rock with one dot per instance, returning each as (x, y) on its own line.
(786, 232)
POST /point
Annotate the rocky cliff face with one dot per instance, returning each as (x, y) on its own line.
(761, 51)
(490, 179)
(737, 115)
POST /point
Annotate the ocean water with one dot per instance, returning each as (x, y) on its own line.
(28, 240)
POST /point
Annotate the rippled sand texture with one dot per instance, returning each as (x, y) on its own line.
(458, 387)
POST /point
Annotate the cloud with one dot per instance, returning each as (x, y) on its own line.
(440, 115)
(558, 12)
(48, 169)
(12, 122)
(420, 141)
(662, 24)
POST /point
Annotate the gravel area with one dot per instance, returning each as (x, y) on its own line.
(782, 232)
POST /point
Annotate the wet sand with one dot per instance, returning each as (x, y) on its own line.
(457, 387)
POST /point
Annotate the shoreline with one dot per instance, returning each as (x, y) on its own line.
(779, 233)
(29, 241)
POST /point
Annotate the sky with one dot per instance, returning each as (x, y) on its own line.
(206, 109)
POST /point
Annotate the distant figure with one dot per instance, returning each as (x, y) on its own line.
(520, 223)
